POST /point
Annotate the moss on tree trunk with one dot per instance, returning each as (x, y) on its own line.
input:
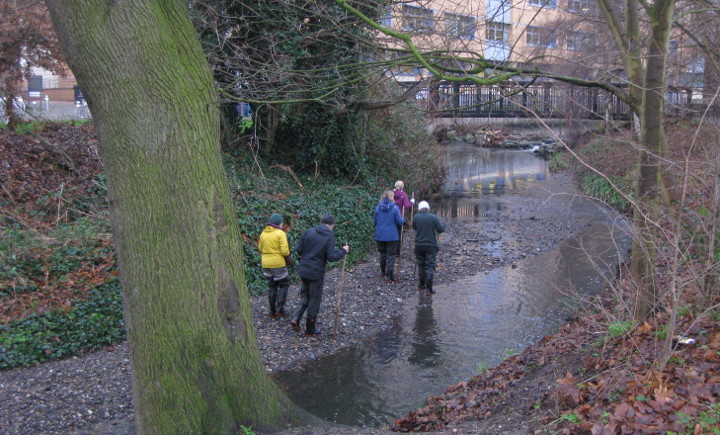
(196, 367)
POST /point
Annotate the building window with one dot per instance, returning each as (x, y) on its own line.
(460, 26)
(547, 4)
(417, 19)
(575, 40)
(385, 19)
(580, 41)
(539, 37)
(581, 6)
(499, 32)
(35, 86)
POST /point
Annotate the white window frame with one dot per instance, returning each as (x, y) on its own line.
(575, 41)
(536, 36)
(417, 19)
(581, 6)
(547, 4)
(460, 26)
(495, 28)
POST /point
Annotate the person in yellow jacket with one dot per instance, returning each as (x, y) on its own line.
(273, 246)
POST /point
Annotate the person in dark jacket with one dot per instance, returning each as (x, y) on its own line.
(427, 226)
(316, 247)
(387, 221)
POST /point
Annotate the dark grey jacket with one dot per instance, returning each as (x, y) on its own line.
(426, 226)
(316, 247)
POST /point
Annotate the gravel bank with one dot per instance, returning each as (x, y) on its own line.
(90, 394)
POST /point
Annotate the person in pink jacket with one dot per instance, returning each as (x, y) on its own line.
(403, 203)
(401, 198)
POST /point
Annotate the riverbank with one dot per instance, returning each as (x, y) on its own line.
(91, 393)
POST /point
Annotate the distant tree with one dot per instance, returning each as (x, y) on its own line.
(27, 39)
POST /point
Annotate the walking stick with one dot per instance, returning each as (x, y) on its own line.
(400, 243)
(412, 237)
(340, 295)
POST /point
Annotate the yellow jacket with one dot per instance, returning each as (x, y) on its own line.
(273, 246)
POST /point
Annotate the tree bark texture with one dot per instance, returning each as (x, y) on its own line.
(196, 367)
(652, 185)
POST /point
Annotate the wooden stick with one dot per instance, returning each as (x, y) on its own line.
(412, 237)
(402, 228)
(339, 301)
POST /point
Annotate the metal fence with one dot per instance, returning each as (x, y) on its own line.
(546, 100)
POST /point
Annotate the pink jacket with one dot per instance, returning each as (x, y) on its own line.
(401, 199)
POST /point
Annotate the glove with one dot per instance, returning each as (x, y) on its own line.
(412, 200)
(288, 261)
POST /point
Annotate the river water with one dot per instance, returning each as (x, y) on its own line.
(476, 322)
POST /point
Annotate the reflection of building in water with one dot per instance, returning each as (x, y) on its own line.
(483, 208)
(486, 171)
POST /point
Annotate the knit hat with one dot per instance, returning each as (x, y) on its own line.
(275, 219)
(328, 219)
(423, 205)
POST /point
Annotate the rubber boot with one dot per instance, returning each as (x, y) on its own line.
(429, 286)
(390, 277)
(421, 285)
(382, 268)
(283, 286)
(310, 327)
(272, 296)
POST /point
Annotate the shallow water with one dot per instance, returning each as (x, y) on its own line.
(475, 322)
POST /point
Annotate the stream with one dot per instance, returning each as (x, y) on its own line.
(476, 321)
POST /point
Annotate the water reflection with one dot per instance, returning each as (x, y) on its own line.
(474, 321)
(425, 350)
(458, 206)
(479, 171)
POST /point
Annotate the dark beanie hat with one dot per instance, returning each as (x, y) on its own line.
(275, 219)
(328, 219)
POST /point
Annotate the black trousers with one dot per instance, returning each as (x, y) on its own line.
(387, 251)
(426, 257)
(311, 291)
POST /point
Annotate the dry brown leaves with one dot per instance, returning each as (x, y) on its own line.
(617, 391)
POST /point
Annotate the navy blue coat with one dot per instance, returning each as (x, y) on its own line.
(316, 247)
(387, 219)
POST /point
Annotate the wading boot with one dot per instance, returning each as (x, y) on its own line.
(311, 327)
(272, 295)
(283, 286)
(429, 287)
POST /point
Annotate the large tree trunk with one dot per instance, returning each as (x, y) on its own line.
(195, 363)
(652, 184)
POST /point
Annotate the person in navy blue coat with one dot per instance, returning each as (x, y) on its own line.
(387, 221)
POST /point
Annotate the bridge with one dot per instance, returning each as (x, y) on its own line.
(542, 99)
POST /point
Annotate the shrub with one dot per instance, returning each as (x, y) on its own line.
(256, 198)
(598, 187)
(92, 323)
